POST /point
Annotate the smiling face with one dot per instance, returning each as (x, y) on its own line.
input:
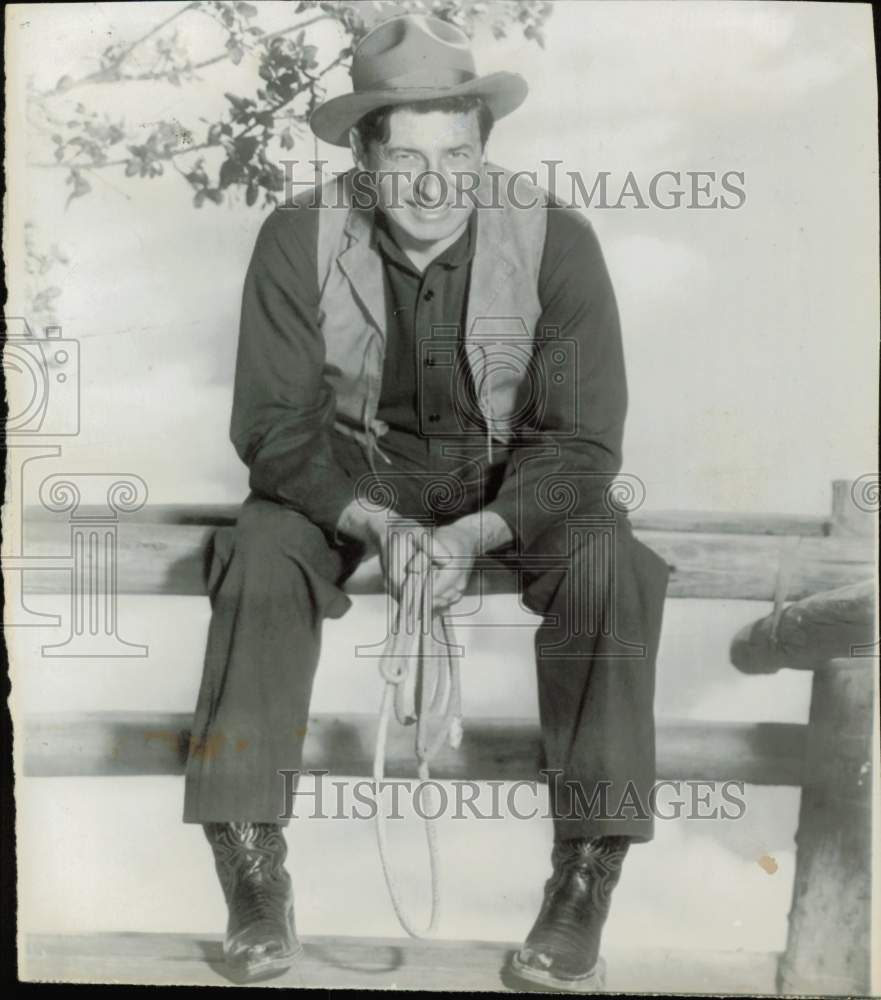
(424, 171)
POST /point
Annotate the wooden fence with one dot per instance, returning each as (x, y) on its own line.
(161, 550)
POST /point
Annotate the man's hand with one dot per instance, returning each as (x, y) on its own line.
(394, 537)
(454, 548)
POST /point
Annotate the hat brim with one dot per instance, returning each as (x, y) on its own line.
(503, 92)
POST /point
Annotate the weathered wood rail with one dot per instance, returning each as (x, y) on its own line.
(142, 743)
(161, 550)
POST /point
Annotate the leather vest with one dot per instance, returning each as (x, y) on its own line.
(502, 312)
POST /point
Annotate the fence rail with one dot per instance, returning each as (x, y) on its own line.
(166, 557)
(152, 743)
(163, 550)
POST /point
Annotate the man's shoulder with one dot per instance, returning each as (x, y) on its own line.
(569, 230)
(573, 263)
(291, 228)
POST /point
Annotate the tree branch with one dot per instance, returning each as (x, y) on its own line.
(171, 156)
(110, 74)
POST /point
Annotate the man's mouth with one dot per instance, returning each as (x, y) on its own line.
(429, 211)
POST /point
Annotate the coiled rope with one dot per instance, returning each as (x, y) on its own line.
(421, 682)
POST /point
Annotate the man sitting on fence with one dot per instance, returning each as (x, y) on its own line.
(426, 319)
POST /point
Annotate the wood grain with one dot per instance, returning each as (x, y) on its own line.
(380, 963)
(141, 743)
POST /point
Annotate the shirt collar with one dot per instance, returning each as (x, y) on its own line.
(456, 254)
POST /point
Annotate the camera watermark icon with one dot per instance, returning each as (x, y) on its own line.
(42, 381)
(42, 376)
(43, 390)
(498, 378)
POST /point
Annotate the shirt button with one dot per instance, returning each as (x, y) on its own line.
(433, 418)
(429, 295)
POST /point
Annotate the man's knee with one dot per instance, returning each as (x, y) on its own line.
(576, 560)
(268, 530)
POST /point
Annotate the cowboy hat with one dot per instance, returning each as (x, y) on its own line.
(411, 58)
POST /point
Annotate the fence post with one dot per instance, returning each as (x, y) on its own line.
(827, 949)
(828, 944)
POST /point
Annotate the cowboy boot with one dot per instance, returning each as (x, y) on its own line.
(562, 949)
(261, 937)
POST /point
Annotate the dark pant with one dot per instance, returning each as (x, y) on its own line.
(276, 576)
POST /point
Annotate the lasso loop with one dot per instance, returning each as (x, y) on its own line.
(404, 658)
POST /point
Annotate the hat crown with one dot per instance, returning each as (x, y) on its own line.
(412, 50)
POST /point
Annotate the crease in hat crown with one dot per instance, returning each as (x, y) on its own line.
(411, 58)
(412, 47)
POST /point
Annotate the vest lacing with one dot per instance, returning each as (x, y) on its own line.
(486, 391)
(368, 423)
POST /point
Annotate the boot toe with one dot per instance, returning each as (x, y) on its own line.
(543, 967)
(261, 960)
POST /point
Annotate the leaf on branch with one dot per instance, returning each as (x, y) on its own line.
(231, 172)
(236, 52)
(272, 177)
(287, 139)
(239, 103)
(246, 146)
(251, 194)
(199, 198)
(197, 177)
(80, 186)
(246, 10)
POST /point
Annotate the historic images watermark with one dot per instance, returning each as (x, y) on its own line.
(43, 393)
(666, 190)
(507, 384)
(496, 800)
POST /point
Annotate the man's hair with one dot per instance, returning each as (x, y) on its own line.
(374, 126)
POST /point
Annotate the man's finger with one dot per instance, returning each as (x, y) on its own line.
(399, 551)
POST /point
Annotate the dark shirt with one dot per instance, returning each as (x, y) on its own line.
(283, 408)
(416, 402)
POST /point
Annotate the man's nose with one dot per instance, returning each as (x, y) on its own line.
(431, 187)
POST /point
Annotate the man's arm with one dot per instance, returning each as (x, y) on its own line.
(579, 423)
(283, 408)
(577, 299)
